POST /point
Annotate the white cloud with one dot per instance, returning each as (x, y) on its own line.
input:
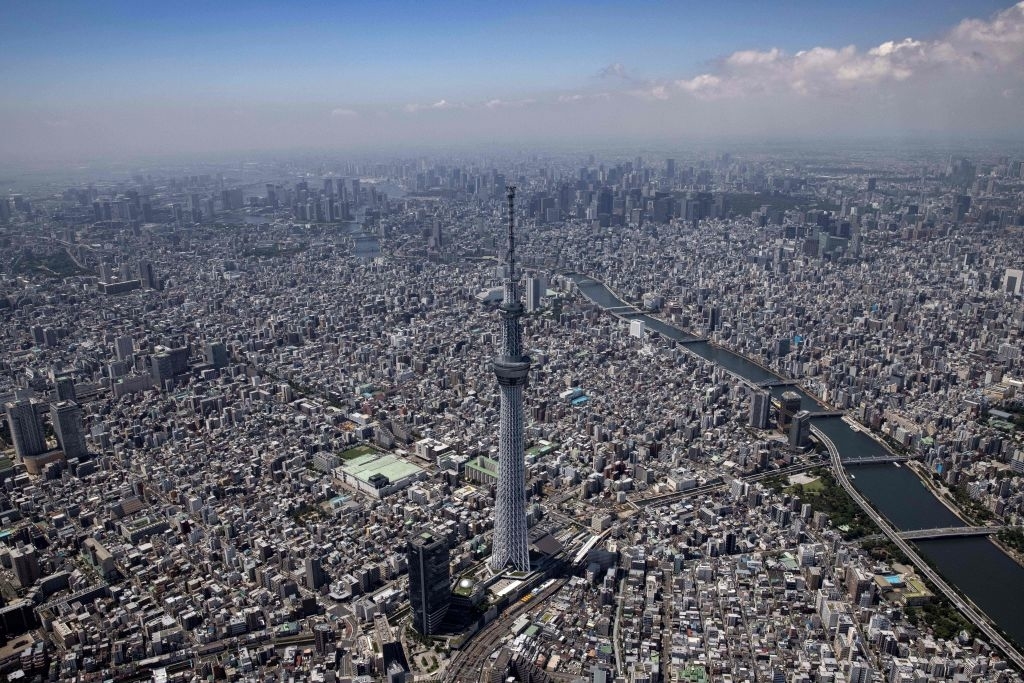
(704, 85)
(583, 97)
(341, 113)
(497, 104)
(440, 104)
(749, 57)
(651, 92)
(975, 46)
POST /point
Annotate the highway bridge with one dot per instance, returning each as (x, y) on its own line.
(623, 311)
(769, 383)
(949, 532)
(966, 607)
(875, 459)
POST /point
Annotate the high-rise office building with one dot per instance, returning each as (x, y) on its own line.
(64, 387)
(323, 638)
(25, 563)
(429, 582)
(789, 407)
(760, 405)
(147, 274)
(800, 429)
(124, 347)
(1013, 281)
(216, 354)
(315, 574)
(511, 367)
(436, 234)
(67, 425)
(534, 292)
(26, 430)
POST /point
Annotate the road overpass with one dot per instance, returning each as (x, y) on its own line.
(966, 607)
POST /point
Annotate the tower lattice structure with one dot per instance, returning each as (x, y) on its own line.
(511, 367)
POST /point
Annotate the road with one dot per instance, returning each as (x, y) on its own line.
(616, 639)
(966, 608)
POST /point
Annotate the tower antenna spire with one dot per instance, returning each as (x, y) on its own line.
(511, 295)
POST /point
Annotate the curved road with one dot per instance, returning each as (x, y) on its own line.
(966, 608)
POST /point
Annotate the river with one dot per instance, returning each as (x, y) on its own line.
(974, 565)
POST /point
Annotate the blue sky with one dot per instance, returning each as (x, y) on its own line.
(105, 70)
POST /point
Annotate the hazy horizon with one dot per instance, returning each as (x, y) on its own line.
(110, 81)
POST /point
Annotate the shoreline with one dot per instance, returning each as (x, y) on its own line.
(951, 505)
(939, 494)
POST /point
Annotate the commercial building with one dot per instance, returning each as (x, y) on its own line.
(66, 417)
(429, 582)
(26, 429)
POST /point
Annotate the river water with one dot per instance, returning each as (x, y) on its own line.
(974, 565)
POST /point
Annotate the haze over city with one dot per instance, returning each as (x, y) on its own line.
(116, 80)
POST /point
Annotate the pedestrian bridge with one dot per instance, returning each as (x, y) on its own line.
(949, 532)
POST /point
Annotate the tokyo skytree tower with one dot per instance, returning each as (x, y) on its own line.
(511, 545)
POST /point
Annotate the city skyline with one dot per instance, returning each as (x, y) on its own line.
(546, 342)
(238, 394)
(114, 83)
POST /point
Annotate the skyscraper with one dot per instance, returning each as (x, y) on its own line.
(26, 431)
(67, 425)
(64, 386)
(217, 354)
(534, 292)
(511, 368)
(760, 404)
(429, 582)
(800, 429)
(25, 563)
(124, 347)
(315, 574)
(789, 405)
(147, 274)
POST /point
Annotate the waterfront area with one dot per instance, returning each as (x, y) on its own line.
(980, 569)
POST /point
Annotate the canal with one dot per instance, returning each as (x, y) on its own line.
(974, 565)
